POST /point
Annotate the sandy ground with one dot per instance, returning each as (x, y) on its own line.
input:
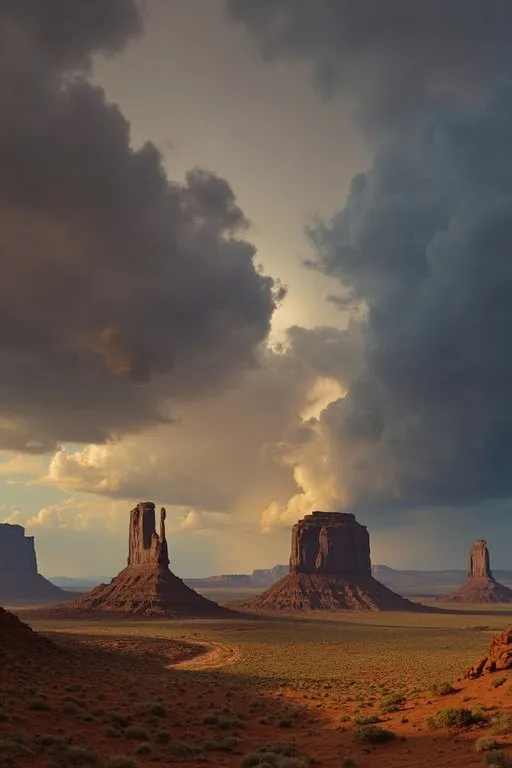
(168, 702)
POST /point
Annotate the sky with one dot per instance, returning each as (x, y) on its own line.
(256, 262)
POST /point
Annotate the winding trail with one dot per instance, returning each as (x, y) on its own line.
(209, 655)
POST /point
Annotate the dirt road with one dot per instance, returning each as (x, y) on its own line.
(209, 656)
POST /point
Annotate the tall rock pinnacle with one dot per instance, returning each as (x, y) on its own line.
(145, 546)
(479, 560)
(330, 570)
(480, 585)
(146, 587)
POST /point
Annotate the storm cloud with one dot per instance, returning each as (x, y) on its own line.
(424, 242)
(389, 57)
(120, 289)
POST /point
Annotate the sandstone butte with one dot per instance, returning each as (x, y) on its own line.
(146, 587)
(330, 570)
(20, 581)
(480, 586)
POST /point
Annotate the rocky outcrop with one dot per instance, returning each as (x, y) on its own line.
(330, 543)
(330, 570)
(19, 580)
(146, 587)
(498, 658)
(18, 642)
(145, 546)
(479, 561)
(480, 585)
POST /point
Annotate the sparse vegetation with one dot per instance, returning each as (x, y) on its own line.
(442, 689)
(497, 759)
(453, 717)
(486, 744)
(373, 734)
(501, 724)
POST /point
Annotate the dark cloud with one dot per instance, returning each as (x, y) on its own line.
(424, 242)
(119, 288)
(388, 55)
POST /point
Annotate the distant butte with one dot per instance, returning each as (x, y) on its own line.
(20, 581)
(330, 570)
(480, 585)
(146, 587)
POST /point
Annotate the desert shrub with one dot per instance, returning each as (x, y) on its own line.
(373, 734)
(347, 762)
(161, 735)
(39, 705)
(286, 748)
(485, 744)
(442, 689)
(144, 748)
(121, 761)
(453, 717)
(80, 756)
(499, 682)
(221, 745)
(285, 722)
(367, 720)
(3, 717)
(47, 740)
(393, 702)
(13, 746)
(501, 724)
(136, 732)
(182, 751)
(497, 759)
(265, 759)
(122, 721)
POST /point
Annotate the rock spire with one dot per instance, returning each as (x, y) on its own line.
(330, 569)
(146, 587)
(480, 585)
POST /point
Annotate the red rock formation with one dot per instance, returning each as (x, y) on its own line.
(18, 642)
(146, 587)
(498, 658)
(19, 580)
(480, 586)
(330, 570)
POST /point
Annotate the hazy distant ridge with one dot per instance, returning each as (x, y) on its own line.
(403, 582)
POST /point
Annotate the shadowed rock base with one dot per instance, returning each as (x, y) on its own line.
(144, 591)
(330, 570)
(300, 592)
(18, 641)
(481, 589)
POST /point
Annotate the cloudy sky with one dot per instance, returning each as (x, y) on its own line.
(256, 261)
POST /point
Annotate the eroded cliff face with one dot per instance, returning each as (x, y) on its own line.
(330, 570)
(17, 551)
(479, 560)
(330, 543)
(19, 580)
(146, 547)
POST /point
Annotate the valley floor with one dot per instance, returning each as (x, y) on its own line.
(202, 693)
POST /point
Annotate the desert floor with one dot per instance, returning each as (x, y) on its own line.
(277, 692)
